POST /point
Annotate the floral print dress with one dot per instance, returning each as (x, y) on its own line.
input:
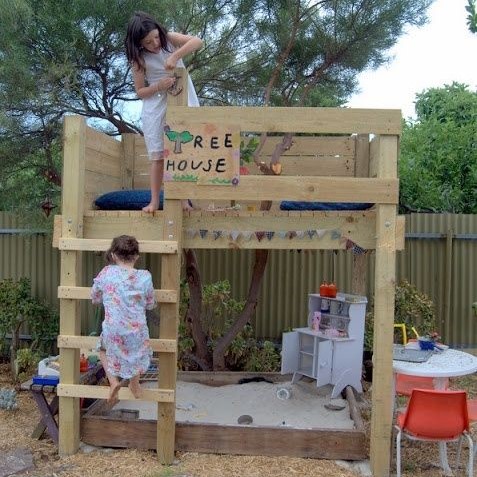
(126, 295)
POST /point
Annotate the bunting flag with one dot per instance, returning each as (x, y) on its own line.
(259, 235)
(357, 250)
(349, 244)
(234, 234)
(354, 247)
(283, 234)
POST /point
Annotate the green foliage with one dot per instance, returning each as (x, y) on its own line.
(411, 307)
(284, 53)
(247, 149)
(438, 160)
(472, 16)
(219, 311)
(19, 308)
(26, 363)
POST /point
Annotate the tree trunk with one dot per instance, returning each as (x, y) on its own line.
(261, 258)
(13, 349)
(194, 310)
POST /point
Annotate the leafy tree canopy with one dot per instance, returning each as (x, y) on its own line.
(62, 58)
(438, 162)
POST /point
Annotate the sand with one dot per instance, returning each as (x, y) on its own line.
(304, 409)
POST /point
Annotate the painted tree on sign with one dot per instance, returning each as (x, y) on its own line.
(178, 138)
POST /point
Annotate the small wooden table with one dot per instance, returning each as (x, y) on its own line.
(49, 409)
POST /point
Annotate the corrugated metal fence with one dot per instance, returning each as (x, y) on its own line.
(440, 259)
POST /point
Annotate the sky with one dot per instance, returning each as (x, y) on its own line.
(438, 53)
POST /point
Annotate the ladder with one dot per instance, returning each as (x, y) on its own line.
(70, 340)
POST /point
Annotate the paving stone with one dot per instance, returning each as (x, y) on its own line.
(16, 461)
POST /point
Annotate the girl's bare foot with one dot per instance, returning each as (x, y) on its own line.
(187, 205)
(150, 208)
(114, 386)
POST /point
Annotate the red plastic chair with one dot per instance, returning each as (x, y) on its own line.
(472, 410)
(436, 416)
(405, 384)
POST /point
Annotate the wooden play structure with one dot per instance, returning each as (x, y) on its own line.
(352, 158)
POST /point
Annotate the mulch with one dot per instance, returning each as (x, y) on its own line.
(17, 426)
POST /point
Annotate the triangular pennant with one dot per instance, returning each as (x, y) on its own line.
(269, 235)
(300, 234)
(282, 234)
(335, 234)
(311, 233)
(217, 234)
(247, 235)
(320, 233)
(349, 244)
(234, 234)
(259, 235)
(203, 233)
(357, 250)
(191, 233)
(291, 234)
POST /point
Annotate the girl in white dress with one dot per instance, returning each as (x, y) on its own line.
(154, 53)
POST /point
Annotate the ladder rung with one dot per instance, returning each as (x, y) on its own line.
(89, 342)
(100, 245)
(102, 392)
(84, 293)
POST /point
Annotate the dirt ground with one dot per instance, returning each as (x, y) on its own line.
(17, 426)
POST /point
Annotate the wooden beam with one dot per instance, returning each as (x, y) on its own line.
(305, 188)
(84, 293)
(102, 392)
(384, 159)
(89, 342)
(70, 275)
(168, 326)
(301, 120)
(100, 245)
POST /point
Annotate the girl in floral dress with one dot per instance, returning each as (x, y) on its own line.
(126, 294)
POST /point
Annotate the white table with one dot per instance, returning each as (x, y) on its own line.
(450, 363)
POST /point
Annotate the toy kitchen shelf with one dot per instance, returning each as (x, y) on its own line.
(332, 353)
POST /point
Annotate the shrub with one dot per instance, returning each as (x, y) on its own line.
(219, 312)
(19, 308)
(411, 307)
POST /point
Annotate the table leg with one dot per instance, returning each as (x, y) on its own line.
(48, 412)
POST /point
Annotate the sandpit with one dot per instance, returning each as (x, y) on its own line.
(307, 406)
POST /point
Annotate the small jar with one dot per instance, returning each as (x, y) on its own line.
(332, 290)
(324, 289)
(83, 364)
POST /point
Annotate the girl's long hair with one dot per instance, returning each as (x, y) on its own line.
(139, 26)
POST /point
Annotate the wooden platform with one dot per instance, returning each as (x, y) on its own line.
(102, 427)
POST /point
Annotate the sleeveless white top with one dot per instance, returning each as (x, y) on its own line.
(154, 108)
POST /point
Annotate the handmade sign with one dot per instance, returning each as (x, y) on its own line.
(203, 153)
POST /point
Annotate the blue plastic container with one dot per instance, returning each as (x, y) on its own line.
(426, 345)
(46, 380)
